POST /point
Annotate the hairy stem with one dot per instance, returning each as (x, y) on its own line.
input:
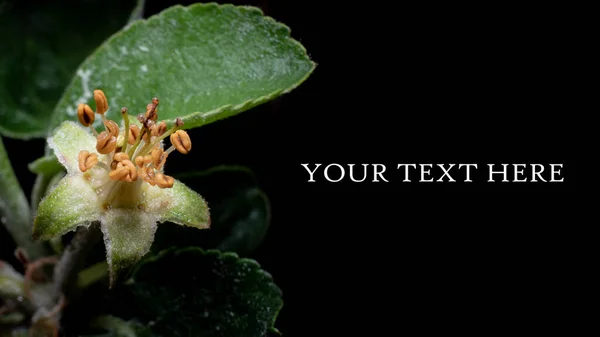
(73, 259)
(14, 208)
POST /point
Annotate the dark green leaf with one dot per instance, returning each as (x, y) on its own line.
(42, 46)
(191, 292)
(240, 213)
(204, 62)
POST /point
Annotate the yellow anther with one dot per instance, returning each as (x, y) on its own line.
(181, 141)
(124, 171)
(132, 169)
(159, 129)
(134, 132)
(147, 174)
(119, 173)
(163, 180)
(152, 110)
(159, 157)
(87, 160)
(85, 114)
(120, 156)
(112, 127)
(106, 143)
(101, 102)
(139, 161)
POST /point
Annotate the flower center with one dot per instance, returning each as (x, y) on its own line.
(131, 156)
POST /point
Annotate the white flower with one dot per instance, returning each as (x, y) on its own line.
(117, 178)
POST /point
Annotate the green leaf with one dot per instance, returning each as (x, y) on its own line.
(47, 165)
(191, 292)
(240, 213)
(70, 204)
(42, 46)
(15, 213)
(204, 62)
(11, 282)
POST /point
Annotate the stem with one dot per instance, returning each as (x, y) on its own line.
(16, 214)
(73, 259)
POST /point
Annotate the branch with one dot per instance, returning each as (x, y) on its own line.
(73, 259)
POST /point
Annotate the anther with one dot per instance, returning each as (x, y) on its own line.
(147, 174)
(149, 124)
(119, 173)
(106, 143)
(112, 127)
(87, 160)
(85, 114)
(125, 171)
(120, 156)
(134, 132)
(163, 180)
(151, 108)
(159, 157)
(159, 129)
(101, 102)
(181, 141)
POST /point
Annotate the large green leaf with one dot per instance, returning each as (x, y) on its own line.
(240, 212)
(204, 62)
(42, 46)
(191, 292)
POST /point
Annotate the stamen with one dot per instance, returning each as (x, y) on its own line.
(159, 129)
(124, 171)
(87, 160)
(163, 180)
(119, 172)
(134, 133)
(142, 120)
(112, 127)
(159, 157)
(147, 174)
(170, 149)
(181, 140)
(101, 102)
(85, 114)
(178, 124)
(94, 132)
(151, 110)
(121, 156)
(142, 161)
(106, 143)
(126, 128)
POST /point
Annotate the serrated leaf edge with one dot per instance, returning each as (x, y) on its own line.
(214, 253)
(238, 108)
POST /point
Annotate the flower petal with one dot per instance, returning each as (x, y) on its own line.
(128, 235)
(179, 204)
(70, 204)
(67, 140)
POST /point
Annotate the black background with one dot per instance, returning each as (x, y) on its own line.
(407, 84)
